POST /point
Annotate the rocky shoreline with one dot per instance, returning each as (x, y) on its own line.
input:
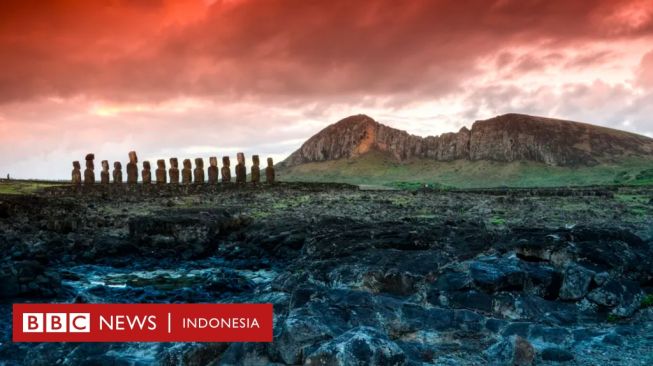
(356, 277)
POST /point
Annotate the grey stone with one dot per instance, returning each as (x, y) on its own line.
(575, 283)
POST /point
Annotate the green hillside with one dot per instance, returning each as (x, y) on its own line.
(375, 168)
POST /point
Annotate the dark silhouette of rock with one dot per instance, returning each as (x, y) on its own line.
(506, 138)
(76, 174)
(213, 170)
(256, 171)
(104, 174)
(146, 174)
(198, 173)
(187, 172)
(132, 168)
(241, 170)
(174, 171)
(117, 172)
(89, 173)
(160, 172)
(269, 172)
(557, 355)
(226, 170)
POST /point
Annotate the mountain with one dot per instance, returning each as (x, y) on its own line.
(506, 138)
(521, 144)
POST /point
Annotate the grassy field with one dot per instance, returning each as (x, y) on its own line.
(378, 169)
(24, 186)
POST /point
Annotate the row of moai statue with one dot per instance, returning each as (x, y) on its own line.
(188, 174)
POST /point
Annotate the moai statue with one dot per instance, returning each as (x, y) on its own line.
(241, 170)
(256, 171)
(146, 173)
(187, 172)
(117, 172)
(269, 172)
(226, 170)
(132, 168)
(104, 174)
(198, 173)
(174, 171)
(77, 174)
(213, 170)
(160, 171)
(89, 173)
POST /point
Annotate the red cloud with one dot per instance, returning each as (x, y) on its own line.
(157, 49)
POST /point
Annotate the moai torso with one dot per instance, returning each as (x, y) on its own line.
(160, 171)
(117, 172)
(256, 171)
(104, 174)
(187, 172)
(213, 170)
(77, 173)
(174, 171)
(269, 172)
(146, 174)
(241, 170)
(226, 170)
(132, 168)
(89, 173)
(198, 173)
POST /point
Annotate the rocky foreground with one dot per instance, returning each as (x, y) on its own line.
(356, 277)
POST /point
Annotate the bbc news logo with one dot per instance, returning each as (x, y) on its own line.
(56, 322)
(142, 322)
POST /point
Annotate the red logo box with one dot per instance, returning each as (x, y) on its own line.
(142, 322)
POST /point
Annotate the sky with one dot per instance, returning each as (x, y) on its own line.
(200, 78)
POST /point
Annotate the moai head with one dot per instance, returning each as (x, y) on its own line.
(187, 164)
(161, 164)
(213, 161)
(270, 163)
(225, 161)
(241, 158)
(146, 165)
(199, 163)
(89, 161)
(105, 165)
(76, 165)
(255, 160)
(132, 157)
(117, 165)
(174, 163)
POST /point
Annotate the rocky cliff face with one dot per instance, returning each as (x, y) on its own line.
(506, 138)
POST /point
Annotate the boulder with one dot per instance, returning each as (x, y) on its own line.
(27, 278)
(497, 274)
(514, 351)
(299, 332)
(359, 346)
(575, 283)
(623, 297)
